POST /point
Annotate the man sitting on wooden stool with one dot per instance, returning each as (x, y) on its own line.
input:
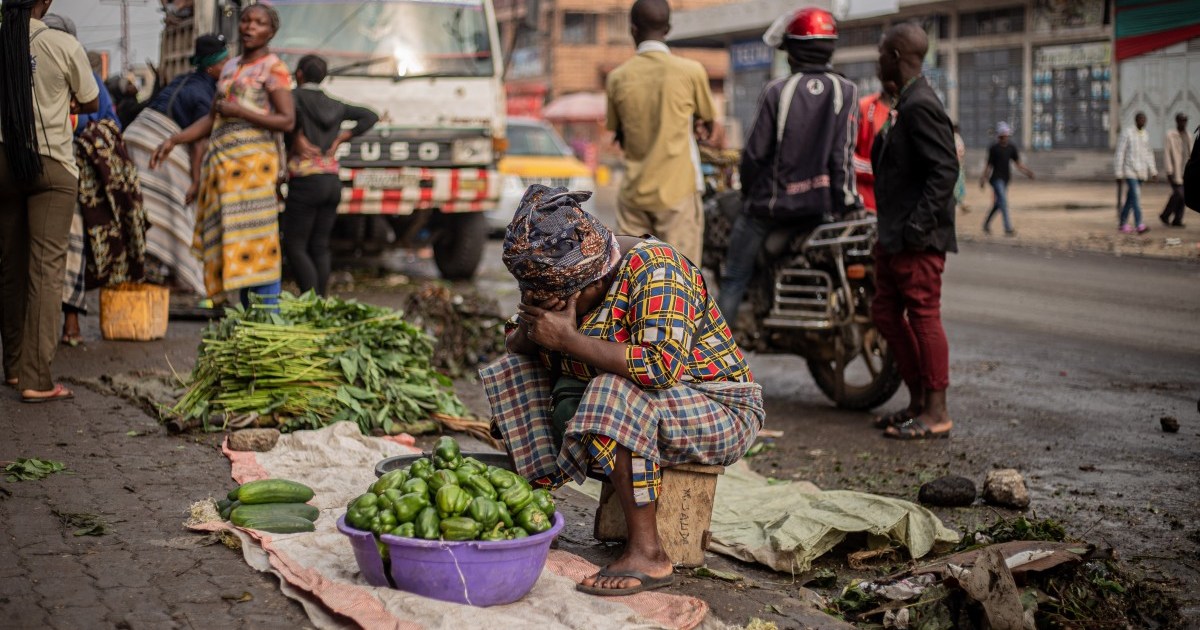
(619, 363)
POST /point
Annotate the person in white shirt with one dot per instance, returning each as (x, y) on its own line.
(1176, 151)
(1134, 164)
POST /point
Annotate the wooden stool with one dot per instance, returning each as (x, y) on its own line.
(685, 505)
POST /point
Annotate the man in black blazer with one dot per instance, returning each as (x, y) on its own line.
(916, 168)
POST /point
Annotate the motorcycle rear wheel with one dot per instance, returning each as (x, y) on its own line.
(871, 374)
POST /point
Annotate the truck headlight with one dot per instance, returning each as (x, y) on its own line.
(471, 151)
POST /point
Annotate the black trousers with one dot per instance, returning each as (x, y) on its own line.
(306, 226)
(1173, 212)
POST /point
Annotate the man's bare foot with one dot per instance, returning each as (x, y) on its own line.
(654, 564)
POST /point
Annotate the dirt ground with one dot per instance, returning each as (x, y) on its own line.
(1062, 364)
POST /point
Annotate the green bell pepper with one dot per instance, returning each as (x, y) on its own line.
(460, 528)
(501, 479)
(473, 465)
(362, 510)
(515, 532)
(385, 502)
(442, 478)
(452, 501)
(422, 469)
(393, 479)
(462, 474)
(407, 530)
(446, 454)
(479, 486)
(544, 502)
(408, 506)
(485, 511)
(384, 552)
(532, 520)
(385, 521)
(495, 533)
(416, 485)
(427, 524)
(505, 515)
(516, 497)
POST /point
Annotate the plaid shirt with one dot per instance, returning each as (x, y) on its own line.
(657, 304)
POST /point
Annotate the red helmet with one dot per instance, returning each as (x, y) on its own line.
(812, 23)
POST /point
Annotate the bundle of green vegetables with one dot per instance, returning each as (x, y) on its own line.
(315, 361)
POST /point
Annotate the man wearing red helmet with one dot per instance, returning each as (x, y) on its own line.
(796, 166)
(916, 169)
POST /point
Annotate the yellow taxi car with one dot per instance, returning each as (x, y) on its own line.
(536, 155)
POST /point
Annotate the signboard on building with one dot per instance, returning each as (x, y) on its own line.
(525, 62)
(1055, 15)
(750, 54)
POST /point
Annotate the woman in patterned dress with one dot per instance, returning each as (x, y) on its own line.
(619, 362)
(237, 228)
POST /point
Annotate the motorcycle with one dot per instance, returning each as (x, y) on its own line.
(811, 296)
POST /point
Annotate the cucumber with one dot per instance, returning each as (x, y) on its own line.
(232, 496)
(228, 509)
(249, 512)
(273, 491)
(278, 523)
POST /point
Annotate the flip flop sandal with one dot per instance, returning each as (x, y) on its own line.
(58, 393)
(913, 429)
(11, 382)
(647, 583)
(892, 419)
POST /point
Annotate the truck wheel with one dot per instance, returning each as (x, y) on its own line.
(871, 377)
(459, 246)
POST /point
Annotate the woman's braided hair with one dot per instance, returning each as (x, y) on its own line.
(16, 91)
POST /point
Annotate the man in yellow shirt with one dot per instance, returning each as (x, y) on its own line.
(654, 100)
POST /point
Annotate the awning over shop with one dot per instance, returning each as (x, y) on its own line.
(577, 107)
(1143, 26)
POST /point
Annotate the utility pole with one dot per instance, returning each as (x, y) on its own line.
(126, 63)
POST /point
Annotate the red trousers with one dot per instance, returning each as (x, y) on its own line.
(908, 311)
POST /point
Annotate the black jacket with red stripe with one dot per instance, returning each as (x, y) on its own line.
(807, 170)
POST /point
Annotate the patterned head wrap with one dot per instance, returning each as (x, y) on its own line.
(553, 247)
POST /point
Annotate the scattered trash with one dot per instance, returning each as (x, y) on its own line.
(905, 589)
(257, 440)
(86, 524)
(238, 599)
(1019, 528)
(823, 578)
(859, 560)
(1173, 242)
(31, 469)
(705, 572)
(770, 433)
(1170, 424)
(948, 491)
(759, 448)
(759, 624)
(1006, 488)
(1088, 468)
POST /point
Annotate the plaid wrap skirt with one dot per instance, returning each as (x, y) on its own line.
(703, 423)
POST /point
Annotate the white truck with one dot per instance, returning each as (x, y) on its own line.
(426, 174)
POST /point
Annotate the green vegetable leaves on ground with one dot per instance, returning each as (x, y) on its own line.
(31, 469)
(314, 362)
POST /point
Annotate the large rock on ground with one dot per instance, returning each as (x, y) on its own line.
(1006, 488)
(948, 491)
(258, 440)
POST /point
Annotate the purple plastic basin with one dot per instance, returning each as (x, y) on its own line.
(475, 572)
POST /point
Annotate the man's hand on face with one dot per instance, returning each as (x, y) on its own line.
(551, 324)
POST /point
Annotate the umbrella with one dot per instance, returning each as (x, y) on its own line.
(577, 107)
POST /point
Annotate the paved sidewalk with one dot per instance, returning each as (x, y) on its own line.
(148, 572)
(1079, 216)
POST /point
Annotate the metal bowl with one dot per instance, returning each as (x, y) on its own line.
(500, 460)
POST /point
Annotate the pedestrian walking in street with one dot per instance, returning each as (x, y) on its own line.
(653, 100)
(44, 78)
(797, 165)
(169, 192)
(1002, 155)
(915, 171)
(620, 362)
(1134, 164)
(314, 188)
(106, 245)
(960, 186)
(873, 112)
(1177, 150)
(237, 227)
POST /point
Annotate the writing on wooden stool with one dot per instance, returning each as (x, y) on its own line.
(684, 530)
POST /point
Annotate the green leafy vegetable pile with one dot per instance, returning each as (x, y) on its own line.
(316, 361)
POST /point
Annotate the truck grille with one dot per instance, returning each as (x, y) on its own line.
(552, 182)
(801, 300)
